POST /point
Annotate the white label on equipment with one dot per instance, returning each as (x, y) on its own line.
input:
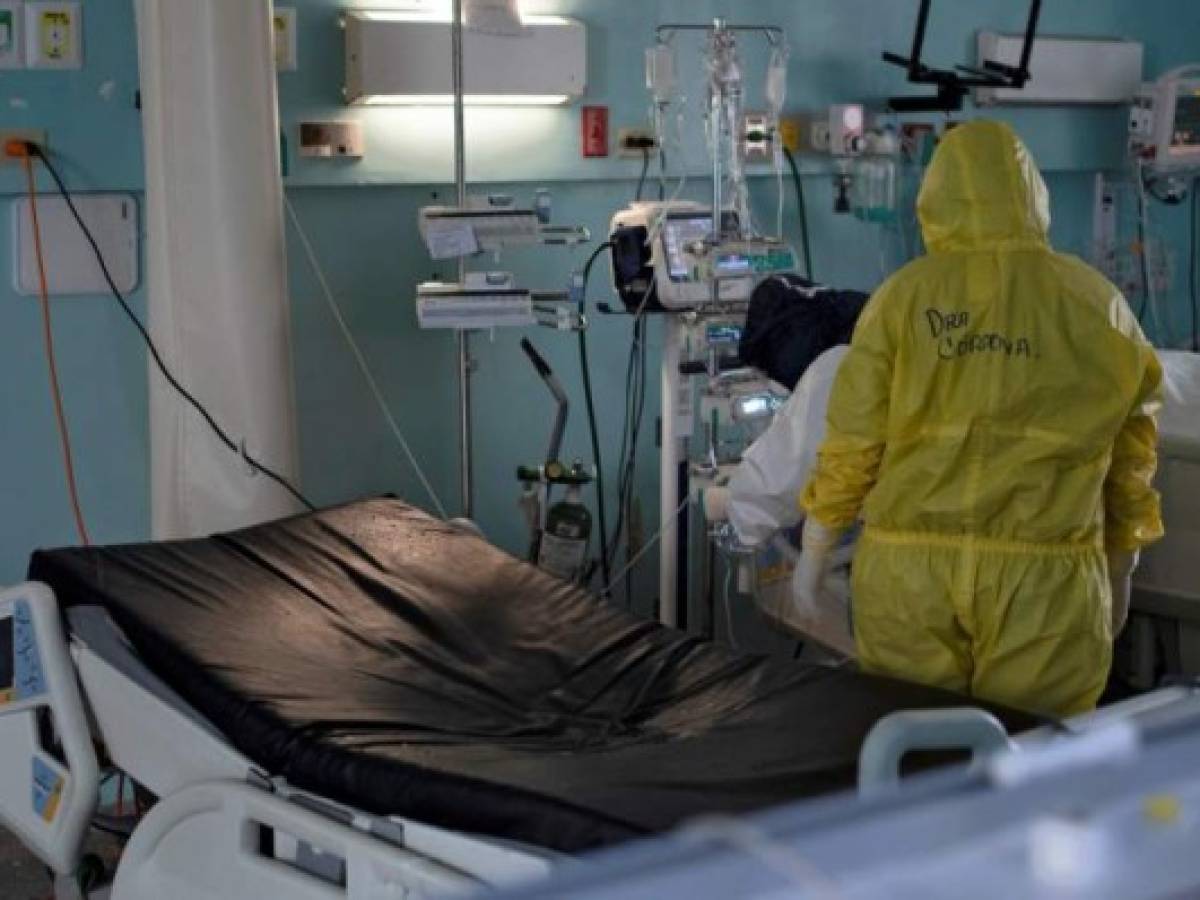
(450, 238)
(561, 556)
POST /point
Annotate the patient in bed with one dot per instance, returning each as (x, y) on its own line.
(760, 502)
(760, 499)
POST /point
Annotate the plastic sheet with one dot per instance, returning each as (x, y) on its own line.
(385, 659)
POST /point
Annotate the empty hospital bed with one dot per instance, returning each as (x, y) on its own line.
(367, 702)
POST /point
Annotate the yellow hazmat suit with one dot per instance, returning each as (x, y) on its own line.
(993, 426)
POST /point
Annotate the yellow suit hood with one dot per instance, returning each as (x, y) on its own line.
(983, 190)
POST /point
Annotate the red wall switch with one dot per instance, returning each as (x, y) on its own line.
(594, 121)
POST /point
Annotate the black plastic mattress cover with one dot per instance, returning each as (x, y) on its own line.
(387, 660)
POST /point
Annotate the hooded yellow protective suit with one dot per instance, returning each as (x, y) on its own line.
(993, 426)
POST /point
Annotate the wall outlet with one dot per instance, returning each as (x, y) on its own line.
(12, 55)
(634, 143)
(329, 140)
(285, 39)
(758, 141)
(35, 135)
(53, 35)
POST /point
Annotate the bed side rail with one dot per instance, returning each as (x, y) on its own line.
(49, 779)
(234, 841)
(894, 736)
(151, 734)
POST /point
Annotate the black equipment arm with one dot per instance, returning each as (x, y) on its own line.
(560, 397)
(953, 85)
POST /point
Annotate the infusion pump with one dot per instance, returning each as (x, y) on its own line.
(664, 258)
(1164, 124)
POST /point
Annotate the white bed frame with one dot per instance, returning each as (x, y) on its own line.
(207, 836)
(222, 829)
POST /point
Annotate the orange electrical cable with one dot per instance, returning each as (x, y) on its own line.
(48, 336)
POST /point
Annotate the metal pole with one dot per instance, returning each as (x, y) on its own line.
(668, 474)
(717, 112)
(464, 337)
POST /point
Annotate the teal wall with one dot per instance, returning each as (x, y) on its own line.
(93, 128)
(361, 216)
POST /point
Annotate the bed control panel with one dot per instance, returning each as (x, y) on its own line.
(21, 675)
(49, 779)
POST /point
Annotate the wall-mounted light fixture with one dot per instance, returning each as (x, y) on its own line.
(404, 59)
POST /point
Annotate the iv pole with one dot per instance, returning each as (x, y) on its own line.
(463, 336)
(673, 479)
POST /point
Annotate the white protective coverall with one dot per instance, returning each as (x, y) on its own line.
(762, 500)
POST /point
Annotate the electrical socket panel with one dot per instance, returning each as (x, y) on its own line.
(36, 135)
(53, 35)
(328, 140)
(12, 51)
(635, 143)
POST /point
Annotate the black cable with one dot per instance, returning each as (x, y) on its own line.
(636, 381)
(802, 212)
(585, 368)
(111, 832)
(641, 185)
(1150, 183)
(614, 540)
(630, 372)
(633, 448)
(154, 354)
(1143, 260)
(634, 406)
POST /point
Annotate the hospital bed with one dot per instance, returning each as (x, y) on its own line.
(366, 702)
(1106, 812)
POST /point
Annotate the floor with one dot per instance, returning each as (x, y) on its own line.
(22, 877)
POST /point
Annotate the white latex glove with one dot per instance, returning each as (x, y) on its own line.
(764, 487)
(1121, 564)
(816, 558)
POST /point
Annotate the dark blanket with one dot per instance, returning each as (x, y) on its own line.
(384, 659)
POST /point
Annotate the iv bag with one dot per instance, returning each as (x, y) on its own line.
(776, 89)
(660, 73)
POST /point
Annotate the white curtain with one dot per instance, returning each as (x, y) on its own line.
(218, 307)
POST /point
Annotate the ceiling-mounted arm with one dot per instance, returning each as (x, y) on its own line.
(953, 85)
(918, 47)
(1018, 76)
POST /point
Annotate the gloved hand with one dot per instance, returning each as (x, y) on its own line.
(1121, 564)
(816, 558)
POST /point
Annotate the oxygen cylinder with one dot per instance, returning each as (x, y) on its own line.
(564, 544)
